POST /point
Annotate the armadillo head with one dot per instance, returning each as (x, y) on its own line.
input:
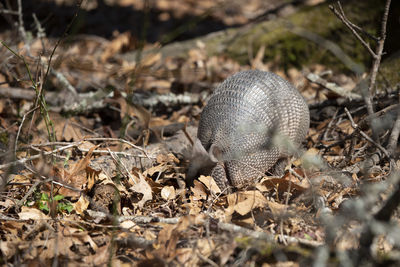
(202, 162)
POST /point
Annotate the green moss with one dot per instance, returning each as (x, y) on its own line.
(268, 249)
(263, 247)
(389, 72)
(244, 241)
(291, 49)
(4, 138)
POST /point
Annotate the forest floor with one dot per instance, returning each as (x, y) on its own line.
(94, 147)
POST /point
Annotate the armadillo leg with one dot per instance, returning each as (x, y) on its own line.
(220, 178)
(246, 170)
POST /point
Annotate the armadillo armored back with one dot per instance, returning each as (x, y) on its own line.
(241, 119)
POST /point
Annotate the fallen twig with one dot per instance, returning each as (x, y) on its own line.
(312, 77)
(223, 226)
(24, 160)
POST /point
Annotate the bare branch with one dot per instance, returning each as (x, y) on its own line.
(394, 136)
(379, 49)
(351, 27)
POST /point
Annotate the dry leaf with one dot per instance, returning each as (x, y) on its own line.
(86, 145)
(17, 178)
(64, 128)
(164, 237)
(81, 205)
(150, 59)
(101, 258)
(248, 201)
(205, 246)
(75, 176)
(209, 182)
(199, 191)
(122, 40)
(257, 62)
(186, 257)
(346, 127)
(159, 168)
(282, 186)
(32, 214)
(168, 192)
(162, 86)
(244, 202)
(144, 188)
(8, 249)
(167, 158)
(127, 224)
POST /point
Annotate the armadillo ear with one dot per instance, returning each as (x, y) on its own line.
(215, 153)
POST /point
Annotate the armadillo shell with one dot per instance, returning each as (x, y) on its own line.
(243, 115)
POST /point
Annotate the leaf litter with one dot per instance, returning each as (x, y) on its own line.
(129, 201)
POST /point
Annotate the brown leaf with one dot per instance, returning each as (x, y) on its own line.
(168, 193)
(167, 158)
(144, 188)
(346, 127)
(133, 110)
(244, 202)
(81, 205)
(64, 128)
(282, 186)
(83, 163)
(169, 236)
(199, 191)
(209, 182)
(8, 248)
(186, 257)
(205, 246)
(159, 168)
(164, 238)
(76, 177)
(31, 214)
(162, 86)
(116, 45)
(257, 62)
(101, 257)
(150, 59)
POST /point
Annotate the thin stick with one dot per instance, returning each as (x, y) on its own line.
(394, 135)
(24, 160)
(21, 28)
(341, 16)
(377, 56)
(116, 139)
(20, 127)
(379, 49)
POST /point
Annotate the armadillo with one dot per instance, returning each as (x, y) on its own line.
(249, 123)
